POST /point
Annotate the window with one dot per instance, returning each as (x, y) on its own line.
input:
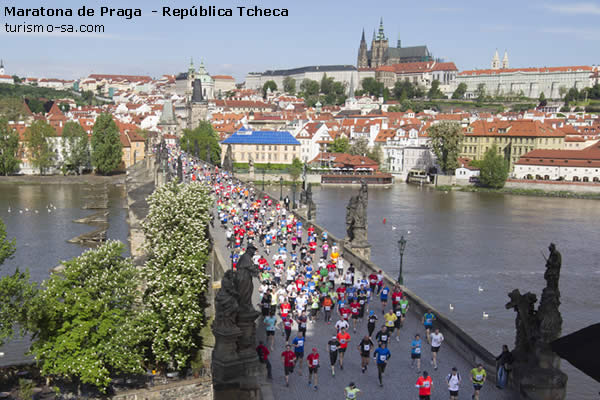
(264, 147)
(257, 148)
(269, 148)
(285, 156)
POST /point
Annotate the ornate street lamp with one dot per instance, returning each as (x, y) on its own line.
(401, 247)
(280, 188)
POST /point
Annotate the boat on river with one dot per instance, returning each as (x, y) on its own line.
(418, 176)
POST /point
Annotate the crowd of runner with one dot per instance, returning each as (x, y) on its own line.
(305, 280)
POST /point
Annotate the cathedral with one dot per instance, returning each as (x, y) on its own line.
(382, 54)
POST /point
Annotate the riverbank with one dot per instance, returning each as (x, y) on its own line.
(522, 192)
(88, 179)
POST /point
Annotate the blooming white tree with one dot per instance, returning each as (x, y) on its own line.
(176, 231)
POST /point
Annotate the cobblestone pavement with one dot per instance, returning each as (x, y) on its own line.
(400, 377)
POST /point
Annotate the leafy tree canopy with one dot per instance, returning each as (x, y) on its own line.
(309, 87)
(9, 148)
(204, 135)
(289, 85)
(107, 149)
(493, 169)
(40, 148)
(76, 152)
(340, 145)
(268, 85)
(460, 91)
(434, 91)
(446, 139)
(295, 169)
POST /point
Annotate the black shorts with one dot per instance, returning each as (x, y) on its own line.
(354, 316)
(342, 349)
(430, 327)
(333, 357)
(390, 329)
(424, 397)
(270, 333)
(397, 323)
(415, 356)
(477, 386)
(453, 393)
(381, 367)
(288, 370)
(313, 370)
(435, 349)
(365, 354)
(299, 354)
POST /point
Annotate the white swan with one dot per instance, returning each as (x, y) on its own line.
(485, 315)
(480, 289)
(451, 307)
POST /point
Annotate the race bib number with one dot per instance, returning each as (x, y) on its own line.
(426, 384)
(399, 313)
(367, 347)
(403, 306)
(300, 343)
(418, 350)
(315, 362)
(351, 395)
(354, 310)
(384, 338)
(397, 298)
(479, 377)
(327, 308)
(344, 315)
(303, 325)
(362, 302)
(383, 357)
(342, 341)
(333, 348)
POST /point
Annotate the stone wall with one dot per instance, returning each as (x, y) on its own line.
(192, 389)
(578, 187)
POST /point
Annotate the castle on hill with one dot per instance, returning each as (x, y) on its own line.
(382, 54)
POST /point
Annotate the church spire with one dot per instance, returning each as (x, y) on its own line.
(505, 60)
(373, 34)
(496, 61)
(381, 35)
(362, 39)
(399, 41)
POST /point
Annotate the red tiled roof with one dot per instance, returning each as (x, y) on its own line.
(588, 157)
(513, 128)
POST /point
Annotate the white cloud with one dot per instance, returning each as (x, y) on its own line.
(575, 8)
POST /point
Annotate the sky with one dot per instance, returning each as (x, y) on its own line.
(535, 34)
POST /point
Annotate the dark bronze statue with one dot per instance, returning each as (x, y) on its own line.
(228, 160)
(179, 169)
(226, 303)
(246, 271)
(356, 216)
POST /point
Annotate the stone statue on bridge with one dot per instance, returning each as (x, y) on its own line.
(536, 366)
(310, 204)
(227, 303)
(356, 222)
(228, 160)
(246, 271)
(179, 169)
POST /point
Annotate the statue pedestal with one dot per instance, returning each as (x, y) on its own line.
(251, 174)
(362, 249)
(543, 384)
(247, 344)
(226, 365)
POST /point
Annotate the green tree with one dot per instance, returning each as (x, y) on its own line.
(460, 91)
(434, 91)
(16, 292)
(9, 148)
(339, 145)
(204, 135)
(372, 87)
(178, 248)
(107, 150)
(87, 96)
(480, 93)
(295, 169)
(80, 320)
(542, 100)
(493, 169)
(16, 79)
(376, 154)
(76, 151)
(403, 90)
(571, 96)
(289, 85)
(446, 139)
(40, 148)
(268, 85)
(360, 147)
(326, 84)
(309, 87)
(12, 108)
(562, 90)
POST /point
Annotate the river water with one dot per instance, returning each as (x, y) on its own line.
(459, 242)
(42, 236)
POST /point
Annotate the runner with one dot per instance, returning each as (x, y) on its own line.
(478, 376)
(288, 358)
(364, 347)
(270, 323)
(313, 367)
(333, 346)
(351, 391)
(436, 341)
(397, 321)
(403, 304)
(453, 380)
(371, 322)
(355, 310)
(383, 296)
(425, 385)
(263, 357)
(344, 339)
(415, 352)
(298, 343)
(327, 305)
(383, 335)
(381, 355)
(302, 321)
(390, 321)
(427, 322)
(287, 328)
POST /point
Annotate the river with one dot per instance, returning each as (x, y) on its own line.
(459, 242)
(42, 237)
